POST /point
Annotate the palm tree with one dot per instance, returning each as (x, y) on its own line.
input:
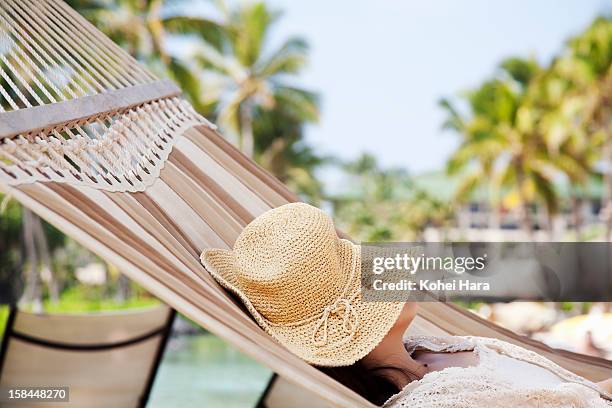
(572, 148)
(252, 81)
(586, 71)
(501, 147)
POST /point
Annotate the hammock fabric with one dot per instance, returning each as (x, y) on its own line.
(97, 146)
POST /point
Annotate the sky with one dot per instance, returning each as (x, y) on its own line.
(380, 66)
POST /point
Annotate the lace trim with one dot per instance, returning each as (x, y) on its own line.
(450, 344)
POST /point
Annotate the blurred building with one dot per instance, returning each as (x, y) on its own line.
(479, 220)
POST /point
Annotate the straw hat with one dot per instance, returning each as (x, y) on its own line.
(301, 283)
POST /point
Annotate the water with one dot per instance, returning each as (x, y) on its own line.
(204, 371)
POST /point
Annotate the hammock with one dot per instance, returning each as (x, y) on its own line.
(113, 157)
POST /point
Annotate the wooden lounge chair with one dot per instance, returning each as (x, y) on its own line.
(106, 359)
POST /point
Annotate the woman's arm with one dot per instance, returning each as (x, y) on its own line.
(606, 385)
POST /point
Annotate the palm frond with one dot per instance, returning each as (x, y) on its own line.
(290, 58)
(453, 121)
(248, 27)
(208, 30)
(210, 58)
(468, 186)
(298, 103)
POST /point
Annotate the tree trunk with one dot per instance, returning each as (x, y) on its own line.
(47, 274)
(577, 216)
(157, 31)
(550, 225)
(32, 293)
(526, 220)
(495, 216)
(124, 289)
(247, 139)
(525, 215)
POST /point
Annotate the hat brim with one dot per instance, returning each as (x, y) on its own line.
(375, 318)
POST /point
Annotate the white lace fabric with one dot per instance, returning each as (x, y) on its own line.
(483, 385)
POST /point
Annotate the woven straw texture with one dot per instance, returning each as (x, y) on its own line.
(301, 283)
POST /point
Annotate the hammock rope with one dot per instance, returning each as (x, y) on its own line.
(147, 183)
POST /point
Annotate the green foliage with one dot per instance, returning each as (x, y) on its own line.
(10, 234)
(83, 298)
(593, 47)
(79, 300)
(11, 259)
(520, 70)
(4, 314)
(385, 205)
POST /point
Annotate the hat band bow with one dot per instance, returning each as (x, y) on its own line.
(350, 322)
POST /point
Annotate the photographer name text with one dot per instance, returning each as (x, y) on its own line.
(430, 285)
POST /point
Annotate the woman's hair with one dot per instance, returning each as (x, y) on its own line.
(367, 382)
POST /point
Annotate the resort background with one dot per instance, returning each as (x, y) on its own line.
(531, 158)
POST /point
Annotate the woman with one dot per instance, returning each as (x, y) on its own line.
(301, 283)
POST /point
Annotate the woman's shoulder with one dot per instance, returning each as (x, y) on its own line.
(496, 346)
